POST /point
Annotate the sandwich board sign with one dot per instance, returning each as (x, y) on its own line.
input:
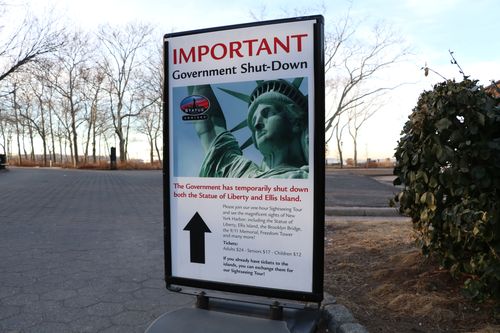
(244, 158)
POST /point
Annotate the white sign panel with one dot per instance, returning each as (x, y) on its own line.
(241, 115)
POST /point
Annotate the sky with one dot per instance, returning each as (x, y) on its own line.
(430, 28)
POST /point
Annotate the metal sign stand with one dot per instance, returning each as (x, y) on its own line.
(293, 261)
(227, 316)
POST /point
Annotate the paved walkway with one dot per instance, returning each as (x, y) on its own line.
(345, 188)
(81, 251)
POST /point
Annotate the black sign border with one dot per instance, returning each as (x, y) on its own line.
(316, 295)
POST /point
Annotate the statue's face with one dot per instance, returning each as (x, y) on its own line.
(271, 128)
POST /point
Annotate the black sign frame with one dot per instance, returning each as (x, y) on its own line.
(176, 283)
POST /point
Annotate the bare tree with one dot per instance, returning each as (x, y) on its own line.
(22, 44)
(354, 61)
(28, 41)
(354, 81)
(35, 115)
(5, 133)
(46, 95)
(357, 117)
(123, 51)
(338, 132)
(94, 81)
(151, 119)
(5, 121)
(16, 121)
(66, 75)
(150, 124)
(50, 108)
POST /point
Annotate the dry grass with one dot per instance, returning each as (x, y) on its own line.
(374, 269)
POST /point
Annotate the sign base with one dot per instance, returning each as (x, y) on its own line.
(224, 316)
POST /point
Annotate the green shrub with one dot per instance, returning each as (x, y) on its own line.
(448, 159)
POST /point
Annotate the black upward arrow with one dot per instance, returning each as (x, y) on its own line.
(197, 229)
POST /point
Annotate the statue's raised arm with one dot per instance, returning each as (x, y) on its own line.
(215, 124)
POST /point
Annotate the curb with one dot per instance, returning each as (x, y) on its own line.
(361, 211)
(338, 318)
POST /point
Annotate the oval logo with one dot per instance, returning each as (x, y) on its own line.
(195, 104)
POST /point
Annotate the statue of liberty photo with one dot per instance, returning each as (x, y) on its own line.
(277, 116)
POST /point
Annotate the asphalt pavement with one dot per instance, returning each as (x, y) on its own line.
(82, 251)
(352, 188)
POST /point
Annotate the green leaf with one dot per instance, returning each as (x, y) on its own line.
(443, 123)
(423, 198)
(478, 172)
(456, 136)
(480, 118)
(422, 176)
(433, 183)
(414, 159)
(485, 154)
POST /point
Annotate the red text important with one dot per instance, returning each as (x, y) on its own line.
(240, 49)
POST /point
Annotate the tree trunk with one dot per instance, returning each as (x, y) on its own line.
(157, 131)
(122, 150)
(151, 150)
(51, 128)
(42, 134)
(74, 133)
(18, 132)
(72, 156)
(60, 150)
(92, 133)
(158, 152)
(355, 143)
(341, 156)
(338, 137)
(126, 138)
(32, 143)
(93, 145)
(89, 132)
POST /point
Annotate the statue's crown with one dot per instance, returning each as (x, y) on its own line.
(282, 87)
(271, 88)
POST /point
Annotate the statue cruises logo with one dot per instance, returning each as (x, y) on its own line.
(194, 107)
